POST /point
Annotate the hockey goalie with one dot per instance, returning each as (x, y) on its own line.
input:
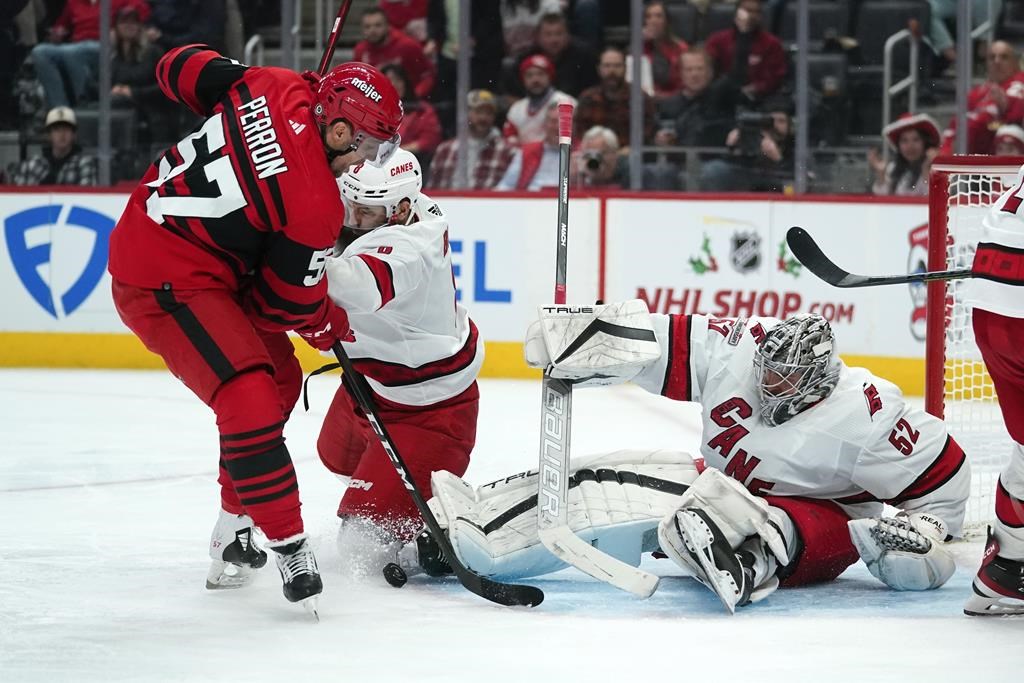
(798, 454)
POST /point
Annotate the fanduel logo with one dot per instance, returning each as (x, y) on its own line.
(367, 89)
(31, 236)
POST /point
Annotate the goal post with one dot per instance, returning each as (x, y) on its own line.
(957, 387)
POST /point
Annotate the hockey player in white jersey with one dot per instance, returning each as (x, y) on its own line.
(417, 347)
(799, 454)
(997, 319)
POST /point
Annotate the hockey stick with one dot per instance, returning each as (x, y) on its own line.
(501, 593)
(332, 40)
(556, 429)
(810, 255)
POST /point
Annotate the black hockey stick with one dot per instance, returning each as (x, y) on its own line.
(332, 40)
(810, 255)
(502, 593)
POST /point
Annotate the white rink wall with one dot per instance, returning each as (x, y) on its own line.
(722, 255)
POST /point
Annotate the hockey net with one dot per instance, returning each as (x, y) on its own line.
(957, 387)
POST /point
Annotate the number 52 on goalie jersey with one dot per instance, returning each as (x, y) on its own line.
(861, 446)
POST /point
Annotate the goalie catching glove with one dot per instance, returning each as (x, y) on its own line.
(904, 552)
(593, 345)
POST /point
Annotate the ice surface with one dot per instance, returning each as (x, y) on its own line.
(108, 495)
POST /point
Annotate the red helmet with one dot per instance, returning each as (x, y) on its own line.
(366, 99)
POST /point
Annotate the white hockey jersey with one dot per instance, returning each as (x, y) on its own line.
(861, 446)
(413, 342)
(1002, 229)
(525, 123)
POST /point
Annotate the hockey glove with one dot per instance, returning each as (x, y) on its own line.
(593, 345)
(904, 552)
(332, 326)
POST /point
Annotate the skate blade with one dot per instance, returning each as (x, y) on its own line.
(311, 605)
(979, 606)
(228, 576)
(698, 540)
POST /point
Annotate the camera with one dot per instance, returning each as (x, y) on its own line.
(592, 160)
(752, 125)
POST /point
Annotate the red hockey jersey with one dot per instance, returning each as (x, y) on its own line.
(247, 201)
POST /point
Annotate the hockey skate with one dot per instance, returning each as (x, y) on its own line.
(299, 572)
(998, 588)
(420, 556)
(234, 552)
(712, 560)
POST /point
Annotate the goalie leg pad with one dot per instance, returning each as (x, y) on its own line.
(593, 345)
(615, 503)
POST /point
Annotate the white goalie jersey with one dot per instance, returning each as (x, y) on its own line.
(860, 447)
(413, 342)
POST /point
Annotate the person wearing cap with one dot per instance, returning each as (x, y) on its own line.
(63, 162)
(524, 122)
(1009, 141)
(72, 52)
(607, 104)
(535, 165)
(914, 141)
(488, 154)
(382, 45)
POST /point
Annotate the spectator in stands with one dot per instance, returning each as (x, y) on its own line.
(752, 59)
(914, 141)
(73, 50)
(1009, 141)
(607, 104)
(10, 58)
(519, 22)
(382, 45)
(63, 162)
(1000, 99)
(488, 153)
(761, 153)
(945, 10)
(535, 165)
(133, 76)
(525, 121)
(180, 22)
(598, 162)
(408, 16)
(704, 110)
(662, 50)
(420, 130)
(573, 59)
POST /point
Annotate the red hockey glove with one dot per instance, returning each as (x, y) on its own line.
(333, 326)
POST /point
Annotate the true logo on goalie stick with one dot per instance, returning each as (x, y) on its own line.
(39, 240)
(745, 251)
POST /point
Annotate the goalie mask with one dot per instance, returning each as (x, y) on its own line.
(386, 186)
(795, 367)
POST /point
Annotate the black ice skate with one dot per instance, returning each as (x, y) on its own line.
(299, 572)
(421, 556)
(998, 588)
(713, 561)
(234, 552)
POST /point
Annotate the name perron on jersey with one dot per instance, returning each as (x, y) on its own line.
(247, 201)
(414, 344)
(860, 447)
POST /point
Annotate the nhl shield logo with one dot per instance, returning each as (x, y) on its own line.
(745, 252)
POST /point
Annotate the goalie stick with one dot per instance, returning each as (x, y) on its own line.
(810, 255)
(556, 429)
(502, 593)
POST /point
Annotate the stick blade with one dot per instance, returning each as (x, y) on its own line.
(570, 548)
(807, 252)
(508, 594)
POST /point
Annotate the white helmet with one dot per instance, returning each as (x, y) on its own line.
(400, 178)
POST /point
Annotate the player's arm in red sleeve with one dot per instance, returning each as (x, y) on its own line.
(197, 77)
(289, 290)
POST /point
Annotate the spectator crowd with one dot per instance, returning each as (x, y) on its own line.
(716, 78)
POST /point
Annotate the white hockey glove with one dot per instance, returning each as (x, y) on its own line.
(593, 345)
(904, 552)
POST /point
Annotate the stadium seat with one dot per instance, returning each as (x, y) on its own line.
(824, 18)
(720, 15)
(683, 19)
(877, 20)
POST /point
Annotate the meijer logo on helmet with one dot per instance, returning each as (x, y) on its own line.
(367, 89)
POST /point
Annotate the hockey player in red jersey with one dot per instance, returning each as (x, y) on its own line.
(221, 251)
(417, 347)
(997, 300)
(799, 451)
